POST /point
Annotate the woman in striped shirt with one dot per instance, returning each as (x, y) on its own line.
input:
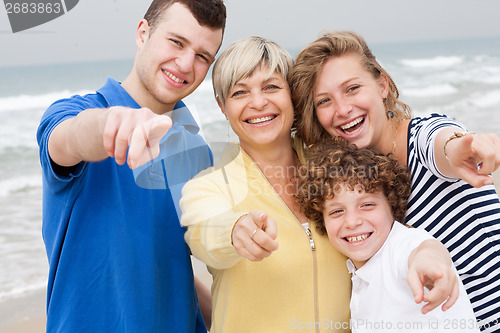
(339, 89)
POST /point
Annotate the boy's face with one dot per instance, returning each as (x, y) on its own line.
(358, 223)
(173, 59)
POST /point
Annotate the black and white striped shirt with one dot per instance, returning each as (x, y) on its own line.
(465, 219)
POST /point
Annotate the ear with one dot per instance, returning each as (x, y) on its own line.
(221, 106)
(383, 82)
(142, 33)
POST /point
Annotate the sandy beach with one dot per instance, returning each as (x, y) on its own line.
(27, 314)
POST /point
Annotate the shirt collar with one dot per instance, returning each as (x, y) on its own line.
(114, 94)
(350, 266)
(366, 272)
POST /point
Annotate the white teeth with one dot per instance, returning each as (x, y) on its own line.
(173, 77)
(352, 123)
(357, 238)
(260, 120)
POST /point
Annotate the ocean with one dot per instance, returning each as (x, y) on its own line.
(460, 78)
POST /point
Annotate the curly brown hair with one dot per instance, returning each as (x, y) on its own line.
(334, 162)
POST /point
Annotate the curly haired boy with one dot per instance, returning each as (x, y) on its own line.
(357, 196)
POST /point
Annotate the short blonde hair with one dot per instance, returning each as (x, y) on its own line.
(305, 73)
(241, 59)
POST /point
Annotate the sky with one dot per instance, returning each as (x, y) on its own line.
(105, 29)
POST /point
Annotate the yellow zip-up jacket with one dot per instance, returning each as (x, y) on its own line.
(304, 286)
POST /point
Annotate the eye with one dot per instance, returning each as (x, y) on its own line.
(204, 58)
(271, 87)
(237, 93)
(176, 42)
(335, 212)
(368, 205)
(353, 88)
(323, 101)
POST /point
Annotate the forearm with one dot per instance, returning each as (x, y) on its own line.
(209, 216)
(430, 249)
(210, 241)
(79, 138)
(442, 162)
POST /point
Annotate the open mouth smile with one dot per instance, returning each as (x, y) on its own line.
(359, 238)
(260, 120)
(354, 126)
(173, 77)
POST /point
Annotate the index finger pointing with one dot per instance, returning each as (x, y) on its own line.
(271, 228)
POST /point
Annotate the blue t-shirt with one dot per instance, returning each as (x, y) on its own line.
(117, 255)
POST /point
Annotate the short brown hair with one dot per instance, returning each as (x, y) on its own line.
(307, 67)
(209, 13)
(334, 161)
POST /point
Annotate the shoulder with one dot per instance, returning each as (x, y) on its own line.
(432, 122)
(403, 234)
(227, 168)
(402, 241)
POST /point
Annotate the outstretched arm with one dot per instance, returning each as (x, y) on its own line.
(458, 155)
(430, 265)
(95, 134)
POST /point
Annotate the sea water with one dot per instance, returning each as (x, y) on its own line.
(460, 78)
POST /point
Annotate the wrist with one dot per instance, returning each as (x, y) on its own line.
(234, 226)
(455, 135)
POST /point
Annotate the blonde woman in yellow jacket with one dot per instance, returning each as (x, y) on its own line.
(303, 280)
(273, 272)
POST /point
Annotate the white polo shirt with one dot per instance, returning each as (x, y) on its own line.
(382, 300)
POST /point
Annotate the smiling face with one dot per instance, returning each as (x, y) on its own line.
(349, 102)
(260, 111)
(172, 60)
(358, 223)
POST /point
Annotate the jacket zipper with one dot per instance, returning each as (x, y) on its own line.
(313, 250)
(315, 278)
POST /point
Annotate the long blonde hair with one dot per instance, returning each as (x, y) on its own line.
(307, 67)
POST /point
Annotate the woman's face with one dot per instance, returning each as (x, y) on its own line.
(348, 101)
(259, 109)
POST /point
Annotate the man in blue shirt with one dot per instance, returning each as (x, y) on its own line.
(117, 256)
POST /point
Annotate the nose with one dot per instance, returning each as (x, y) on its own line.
(342, 107)
(258, 100)
(352, 220)
(185, 61)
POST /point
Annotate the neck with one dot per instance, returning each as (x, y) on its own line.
(394, 140)
(277, 161)
(143, 96)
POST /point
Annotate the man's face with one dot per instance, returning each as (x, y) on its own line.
(173, 59)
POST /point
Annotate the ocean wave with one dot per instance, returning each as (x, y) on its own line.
(19, 288)
(437, 90)
(23, 102)
(440, 61)
(489, 99)
(9, 186)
